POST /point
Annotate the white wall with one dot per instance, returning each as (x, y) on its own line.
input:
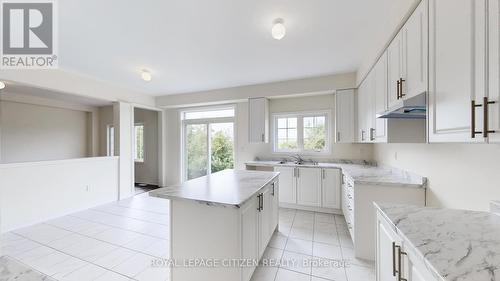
(32, 132)
(248, 151)
(464, 176)
(147, 171)
(105, 118)
(35, 192)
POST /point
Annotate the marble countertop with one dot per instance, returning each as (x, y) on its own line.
(455, 245)
(228, 188)
(11, 269)
(495, 207)
(360, 173)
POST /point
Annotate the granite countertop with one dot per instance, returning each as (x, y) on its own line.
(360, 173)
(454, 244)
(227, 188)
(11, 269)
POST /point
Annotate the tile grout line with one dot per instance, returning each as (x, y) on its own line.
(111, 213)
(70, 255)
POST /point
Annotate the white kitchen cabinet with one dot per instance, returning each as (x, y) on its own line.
(258, 120)
(493, 90)
(380, 92)
(414, 37)
(265, 219)
(250, 235)
(457, 56)
(288, 185)
(363, 106)
(330, 188)
(391, 250)
(394, 69)
(309, 187)
(387, 243)
(345, 125)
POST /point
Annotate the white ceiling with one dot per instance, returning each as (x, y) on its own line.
(195, 45)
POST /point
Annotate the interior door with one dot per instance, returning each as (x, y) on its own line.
(308, 187)
(288, 188)
(457, 69)
(330, 188)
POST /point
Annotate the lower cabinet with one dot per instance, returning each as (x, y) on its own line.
(394, 259)
(259, 220)
(309, 188)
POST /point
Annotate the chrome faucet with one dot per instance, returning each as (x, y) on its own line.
(297, 158)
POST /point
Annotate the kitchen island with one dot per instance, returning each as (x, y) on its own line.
(221, 224)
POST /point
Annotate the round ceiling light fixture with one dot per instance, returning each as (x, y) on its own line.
(279, 30)
(2, 85)
(146, 75)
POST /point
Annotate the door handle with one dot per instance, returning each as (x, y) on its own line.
(401, 95)
(397, 89)
(400, 271)
(486, 125)
(394, 270)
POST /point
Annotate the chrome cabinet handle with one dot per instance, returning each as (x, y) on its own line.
(394, 270)
(263, 137)
(273, 189)
(400, 271)
(338, 136)
(397, 89)
(401, 95)
(486, 129)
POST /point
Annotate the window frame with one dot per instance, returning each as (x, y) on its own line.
(143, 143)
(300, 115)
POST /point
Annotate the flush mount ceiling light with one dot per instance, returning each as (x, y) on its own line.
(2, 85)
(278, 31)
(146, 75)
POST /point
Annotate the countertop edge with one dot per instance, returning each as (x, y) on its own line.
(212, 203)
(408, 241)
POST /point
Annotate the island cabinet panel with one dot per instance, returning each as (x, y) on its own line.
(249, 235)
(265, 217)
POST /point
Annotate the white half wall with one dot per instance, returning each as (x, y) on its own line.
(34, 192)
(462, 176)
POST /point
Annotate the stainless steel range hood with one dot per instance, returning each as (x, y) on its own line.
(411, 108)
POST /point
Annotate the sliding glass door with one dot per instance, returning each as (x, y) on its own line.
(208, 146)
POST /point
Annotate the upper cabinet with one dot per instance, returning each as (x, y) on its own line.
(394, 69)
(457, 57)
(258, 120)
(380, 89)
(345, 121)
(414, 38)
(493, 89)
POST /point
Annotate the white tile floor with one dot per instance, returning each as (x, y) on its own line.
(118, 241)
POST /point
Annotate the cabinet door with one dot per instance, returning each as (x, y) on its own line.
(362, 112)
(308, 187)
(370, 107)
(249, 235)
(258, 120)
(274, 206)
(345, 118)
(265, 214)
(394, 69)
(330, 185)
(493, 92)
(386, 252)
(380, 88)
(456, 69)
(414, 35)
(288, 185)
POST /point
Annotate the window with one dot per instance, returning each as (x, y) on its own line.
(110, 130)
(301, 132)
(139, 143)
(208, 141)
